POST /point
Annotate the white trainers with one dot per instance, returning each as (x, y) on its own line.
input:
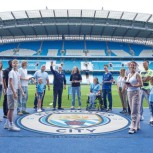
(1, 119)
(142, 118)
(72, 108)
(79, 108)
(132, 131)
(130, 126)
(151, 119)
(13, 128)
(6, 125)
(39, 110)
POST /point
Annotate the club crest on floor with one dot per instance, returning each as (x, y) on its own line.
(73, 122)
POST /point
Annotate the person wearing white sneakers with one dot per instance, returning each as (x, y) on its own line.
(24, 79)
(134, 82)
(12, 95)
(40, 87)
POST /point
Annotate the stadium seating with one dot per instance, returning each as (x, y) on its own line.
(74, 52)
(146, 53)
(96, 53)
(20, 52)
(52, 52)
(74, 48)
(120, 53)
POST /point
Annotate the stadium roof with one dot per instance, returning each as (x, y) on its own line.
(76, 24)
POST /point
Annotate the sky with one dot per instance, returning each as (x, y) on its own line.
(139, 6)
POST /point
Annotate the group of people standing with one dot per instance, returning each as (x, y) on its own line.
(133, 87)
(14, 85)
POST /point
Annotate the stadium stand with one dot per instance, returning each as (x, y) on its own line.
(52, 52)
(74, 52)
(96, 53)
(20, 52)
(146, 53)
(75, 48)
(121, 53)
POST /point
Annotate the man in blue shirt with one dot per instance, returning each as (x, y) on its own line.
(44, 75)
(59, 80)
(107, 80)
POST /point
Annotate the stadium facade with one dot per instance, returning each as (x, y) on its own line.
(85, 38)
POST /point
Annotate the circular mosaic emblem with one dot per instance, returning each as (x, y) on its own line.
(69, 122)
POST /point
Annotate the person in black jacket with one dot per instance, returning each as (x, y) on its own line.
(59, 80)
(5, 83)
(75, 79)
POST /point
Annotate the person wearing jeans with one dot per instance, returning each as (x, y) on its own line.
(22, 100)
(134, 82)
(5, 84)
(107, 80)
(75, 79)
(145, 90)
(1, 79)
(1, 82)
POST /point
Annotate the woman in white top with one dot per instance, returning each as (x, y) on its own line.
(122, 90)
(1, 81)
(134, 82)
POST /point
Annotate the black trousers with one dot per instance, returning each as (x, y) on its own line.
(57, 93)
(5, 106)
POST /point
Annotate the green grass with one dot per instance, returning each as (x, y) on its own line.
(67, 103)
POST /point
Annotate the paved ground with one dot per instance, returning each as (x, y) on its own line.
(119, 142)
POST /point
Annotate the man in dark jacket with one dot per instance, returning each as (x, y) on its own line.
(5, 82)
(59, 80)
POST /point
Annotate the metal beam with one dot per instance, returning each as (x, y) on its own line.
(22, 31)
(120, 18)
(46, 31)
(102, 31)
(55, 23)
(125, 32)
(148, 36)
(145, 24)
(10, 32)
(114, 30)
(137, 34)
(27, 17)
(93, 24)
(134, 19)
(80, 24)
(34, 30)
(13, 15)
(68, 23)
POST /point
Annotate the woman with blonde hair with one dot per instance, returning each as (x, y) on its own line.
(134, 82)
(75, 79)
(122, 90)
